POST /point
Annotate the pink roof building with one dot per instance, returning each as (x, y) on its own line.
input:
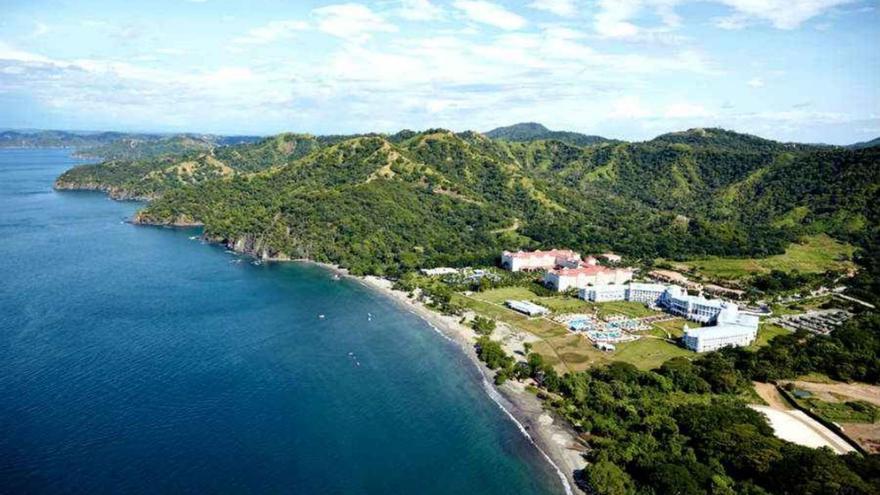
(539, 260)
(585, 275)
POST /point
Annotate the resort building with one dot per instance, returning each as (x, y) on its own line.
(731, 329)
(527, 307)
(563, 279)
(539, 260)
(696, 308)
(603, 293)
(649, 294)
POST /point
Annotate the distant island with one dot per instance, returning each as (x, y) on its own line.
(789, 231)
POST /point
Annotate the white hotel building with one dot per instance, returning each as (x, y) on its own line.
(696, 308)
(731, 329)
(650, 294)
(603, 293)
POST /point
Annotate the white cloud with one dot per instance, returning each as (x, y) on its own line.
(755, 82)
(562, 8)
(351, 21)
(683, 110)
(614, 19)
(271, 32)
(629, 107)
(419, 10)
(39, 30)
(782, 14)
(490, 13)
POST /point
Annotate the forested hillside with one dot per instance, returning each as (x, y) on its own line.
(155, 172)
(532, 131)
(379, 204)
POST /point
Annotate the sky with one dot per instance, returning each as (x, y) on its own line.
(792, 70)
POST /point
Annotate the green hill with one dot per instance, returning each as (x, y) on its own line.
(150, 176)
(865, 144)
(377, 203)
(532, 131)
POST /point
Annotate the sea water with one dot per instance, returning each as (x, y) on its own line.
(140, 360)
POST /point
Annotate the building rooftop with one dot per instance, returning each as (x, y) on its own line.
(559, 253)
(581, 270)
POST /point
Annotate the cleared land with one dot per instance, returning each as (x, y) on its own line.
(797, 427)
(814, 254)
(853, 406)
(835, 391)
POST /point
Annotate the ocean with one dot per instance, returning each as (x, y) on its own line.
(140, 360)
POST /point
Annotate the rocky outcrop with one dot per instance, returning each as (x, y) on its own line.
(255, 246)
(178, 221)
(117, 193)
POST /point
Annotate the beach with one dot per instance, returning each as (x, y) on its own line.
(550, 434)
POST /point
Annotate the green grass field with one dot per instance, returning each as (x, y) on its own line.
(766, 332)
(539, 327)
(648, 353)
(672, 328)
(815, 254)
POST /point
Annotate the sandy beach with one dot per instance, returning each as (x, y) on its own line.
(555, 439)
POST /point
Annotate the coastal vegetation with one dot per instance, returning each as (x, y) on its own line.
(683, 426)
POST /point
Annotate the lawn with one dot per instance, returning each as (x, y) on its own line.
(766, 332)
(674, 328)
(627, 308)
(504, 293)
(648, 353)
(814, 254)
(540, 327)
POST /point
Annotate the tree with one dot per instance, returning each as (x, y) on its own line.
(483, 326)
(606, 478)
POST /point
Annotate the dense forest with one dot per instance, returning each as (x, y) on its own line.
(387, 203)
(683, 428)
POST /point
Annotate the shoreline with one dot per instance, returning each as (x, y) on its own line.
(549, 434)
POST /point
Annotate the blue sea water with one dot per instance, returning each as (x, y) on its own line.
(136, 360)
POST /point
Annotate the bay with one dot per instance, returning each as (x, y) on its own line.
(139, 360)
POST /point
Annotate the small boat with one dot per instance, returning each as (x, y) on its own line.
(336, 277)
(321, 317)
